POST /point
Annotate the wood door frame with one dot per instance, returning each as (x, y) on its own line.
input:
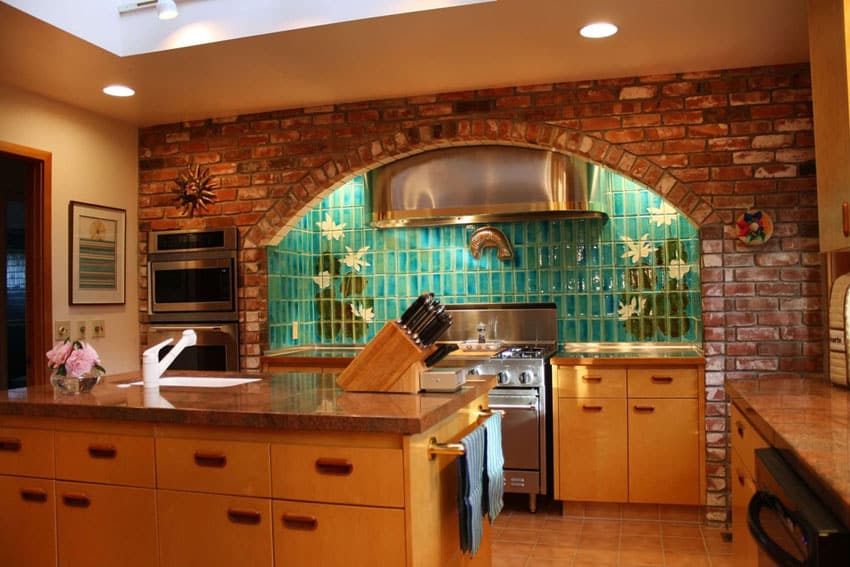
(39, 272)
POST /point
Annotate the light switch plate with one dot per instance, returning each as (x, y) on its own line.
(81, 330)
(61, 330)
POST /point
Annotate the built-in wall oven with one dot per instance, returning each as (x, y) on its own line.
(192, 283)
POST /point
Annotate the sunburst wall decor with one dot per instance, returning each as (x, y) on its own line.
(194, 190)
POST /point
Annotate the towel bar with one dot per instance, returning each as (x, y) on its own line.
(456, 449)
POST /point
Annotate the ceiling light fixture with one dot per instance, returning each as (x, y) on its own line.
(118, 90)
(165, 9)
(598, 30)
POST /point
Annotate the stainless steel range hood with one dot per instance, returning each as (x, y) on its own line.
(479, 184)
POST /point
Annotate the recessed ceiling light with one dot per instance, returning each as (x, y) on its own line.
(598, 30)
(118, 90)
(166, 9)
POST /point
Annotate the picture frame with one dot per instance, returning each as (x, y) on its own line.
(97, 254)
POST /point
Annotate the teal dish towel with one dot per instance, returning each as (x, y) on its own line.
(470, 490)
(494, 465)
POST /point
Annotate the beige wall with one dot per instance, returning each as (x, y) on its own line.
(95, 160)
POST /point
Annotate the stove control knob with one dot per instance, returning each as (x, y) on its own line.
(504, 377)
(474, 371)
(526, 377)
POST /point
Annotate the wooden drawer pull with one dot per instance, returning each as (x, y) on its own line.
(76, 499)
(215, 460)
(594, 379)
(845, 218)
(585, 407)
(33, 495)
(740, 478)
(644, 409)
(238, 516)
(299, 522)
(10, 444)
(103, 451)
(662, 379)
(340, 467)
(739, 427)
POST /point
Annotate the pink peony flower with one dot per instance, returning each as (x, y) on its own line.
(58, 354)
(81, 360)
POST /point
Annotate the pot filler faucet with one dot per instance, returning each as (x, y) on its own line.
(153, 367)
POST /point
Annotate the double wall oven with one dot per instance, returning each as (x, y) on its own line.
(192, 283)
(524, 338)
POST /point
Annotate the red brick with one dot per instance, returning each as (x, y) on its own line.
(732, 143)
(596, 95)
(792, 95)
(679, 89)
(795, 155)
(713, 188)
(643, 148)
(751, 127)
(773, 141)
(752, 157)
(776, 171)
(689, 117)
(623, 136)
(772, 111)
(435, 109)
(706, 101)
(684, 146)
(651, 119)
(670, 160)
(708, 130)
(793, 124)
(785, 348)
(732, 172)
(629, 93)
(753, 97)
(518, 101)
(253, 140)
(602, 123)
(710, 158)
(665, 132)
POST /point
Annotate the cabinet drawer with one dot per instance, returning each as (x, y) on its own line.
(327, 535)
(105, 526)
(663, 382)
(27, 452)
(211, 530)
(28, 520)
(106, 458)
(743, 487)
(224, 467)
(338, 474)
(745, 440)
(590, 382)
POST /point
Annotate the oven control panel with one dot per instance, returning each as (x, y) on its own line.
(516, 376)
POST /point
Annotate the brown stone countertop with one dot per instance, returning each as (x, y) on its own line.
(285, 400)
(809, 421)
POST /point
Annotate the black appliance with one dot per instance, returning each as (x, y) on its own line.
(790, 523)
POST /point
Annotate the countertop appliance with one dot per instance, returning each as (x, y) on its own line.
(791, 524)
(528, 335)
(839, 331)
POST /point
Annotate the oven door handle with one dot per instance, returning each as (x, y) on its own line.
(530, 407)
(765, 500)
(188, 326)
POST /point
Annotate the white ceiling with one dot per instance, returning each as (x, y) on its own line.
(501, 43)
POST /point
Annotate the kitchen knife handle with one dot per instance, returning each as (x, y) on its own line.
(338, 467)
(300, 522)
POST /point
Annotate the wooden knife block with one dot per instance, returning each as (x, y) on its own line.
(390, 362)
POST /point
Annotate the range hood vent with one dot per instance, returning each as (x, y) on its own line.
(480, 184)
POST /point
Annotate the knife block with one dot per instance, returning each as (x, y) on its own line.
(390, 362)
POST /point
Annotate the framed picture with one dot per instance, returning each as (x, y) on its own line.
(96, 260)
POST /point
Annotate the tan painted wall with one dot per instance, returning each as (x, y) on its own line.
(95, 160)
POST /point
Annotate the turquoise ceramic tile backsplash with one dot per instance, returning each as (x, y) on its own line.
(635, 277)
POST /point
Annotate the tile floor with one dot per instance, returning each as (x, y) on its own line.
(633, 537)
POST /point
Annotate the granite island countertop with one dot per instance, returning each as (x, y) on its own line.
(284, 400)
(809, 421)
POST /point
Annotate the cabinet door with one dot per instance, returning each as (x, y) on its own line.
(664, 451)
(27, 522)
(105, 526)
(333, 535)
(211, 530)
(744, 546)
(592, 439)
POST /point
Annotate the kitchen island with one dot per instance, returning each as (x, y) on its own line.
(286, 470)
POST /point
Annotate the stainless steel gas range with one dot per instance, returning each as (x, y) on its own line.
(524, 337)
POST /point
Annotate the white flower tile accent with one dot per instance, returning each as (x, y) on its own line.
(355, 260)
(323, 280)
(678, 268)
(330, 229)
(663, 215)
(363, 312)
(631, 309)
(636, 251)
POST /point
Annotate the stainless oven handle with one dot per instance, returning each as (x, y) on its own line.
(188, 326)
(531, 407)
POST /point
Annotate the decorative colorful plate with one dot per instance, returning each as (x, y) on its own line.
(754, 227)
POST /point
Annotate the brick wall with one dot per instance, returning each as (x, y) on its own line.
(712, 143)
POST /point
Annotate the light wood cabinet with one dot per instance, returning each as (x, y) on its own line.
(629, 433)
(212, 530)
(744, 441)
(828, 50)
(27, 522)
(99, 525)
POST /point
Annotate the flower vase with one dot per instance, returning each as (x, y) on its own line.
(74, 384)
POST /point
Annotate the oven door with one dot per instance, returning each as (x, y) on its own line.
(198, 285)
(520, 426)
(217, 347)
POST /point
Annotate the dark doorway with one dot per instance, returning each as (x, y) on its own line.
(25, 301)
